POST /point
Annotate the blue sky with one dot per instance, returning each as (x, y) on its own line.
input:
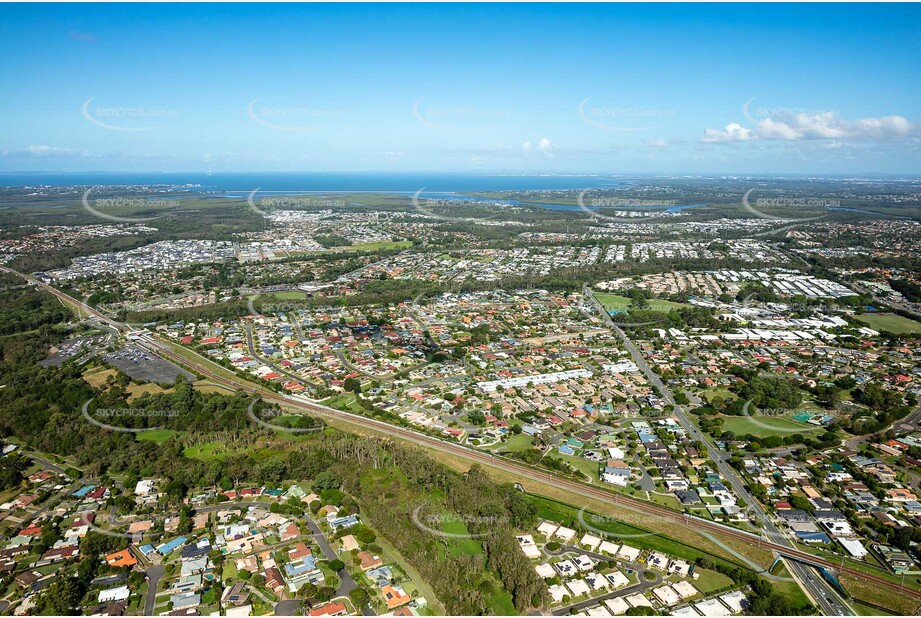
(487, 88)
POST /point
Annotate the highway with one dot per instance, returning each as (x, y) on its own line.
(818, 589)
(778, 543)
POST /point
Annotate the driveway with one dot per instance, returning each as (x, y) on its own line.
(287, 608)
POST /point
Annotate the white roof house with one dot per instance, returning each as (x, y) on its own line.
(735, 601)
(630, 554)
(617, 579)
(616, 606)
(609, 548)
(114, 594)
(578, 587)
(547, 528)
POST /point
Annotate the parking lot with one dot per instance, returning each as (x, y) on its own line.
(145, 367)
(71, 348)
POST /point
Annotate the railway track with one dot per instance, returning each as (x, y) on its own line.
(527, 472)
(641, 506)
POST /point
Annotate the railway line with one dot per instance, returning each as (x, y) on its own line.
(520, 470)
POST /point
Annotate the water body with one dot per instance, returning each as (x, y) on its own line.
(243, 183)
(434, 185)
(476, 199)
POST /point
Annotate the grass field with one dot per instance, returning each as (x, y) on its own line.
(136, 390)
(742, 425)
(585, 466)
(616, 302)
(568, 516)
(712, 394)
(789, 589)
(289, 295)
(711, 580)
(207, 386)
(381, 246)
(97, 377)
(521, 442)
(890, 322)
(211, 450)
(157, 435)
(469, 547)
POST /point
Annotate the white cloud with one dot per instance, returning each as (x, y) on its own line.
(818, 126)
(43, 151)
(734, 132)
(545, 145)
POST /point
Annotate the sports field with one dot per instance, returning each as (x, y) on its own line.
(616, 302)
(765, 426)
(890, 322)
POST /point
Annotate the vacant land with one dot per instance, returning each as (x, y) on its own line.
(709, 581)
(381, 246)
(521, 442)
(765, 426)
(156, 435)
(616, 302)
(890, 322)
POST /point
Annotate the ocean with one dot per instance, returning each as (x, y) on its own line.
(237, 183)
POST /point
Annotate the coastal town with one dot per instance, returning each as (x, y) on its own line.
(725, 382)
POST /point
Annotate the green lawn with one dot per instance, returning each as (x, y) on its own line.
(381, 246)
(521, 442)
(789, 589)
(616, 302)
(289, 295)
(157, 435)
(212, 450)
(580, 463)
(890, 322)
(742, 425)
(710, 394)
(469, 547)
(568, 516)
(711, 580)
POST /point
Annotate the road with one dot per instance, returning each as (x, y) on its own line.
(254, 354)
(821, 592)
(153, 574)
(210, 370)
(642, 584)
(347, 583)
